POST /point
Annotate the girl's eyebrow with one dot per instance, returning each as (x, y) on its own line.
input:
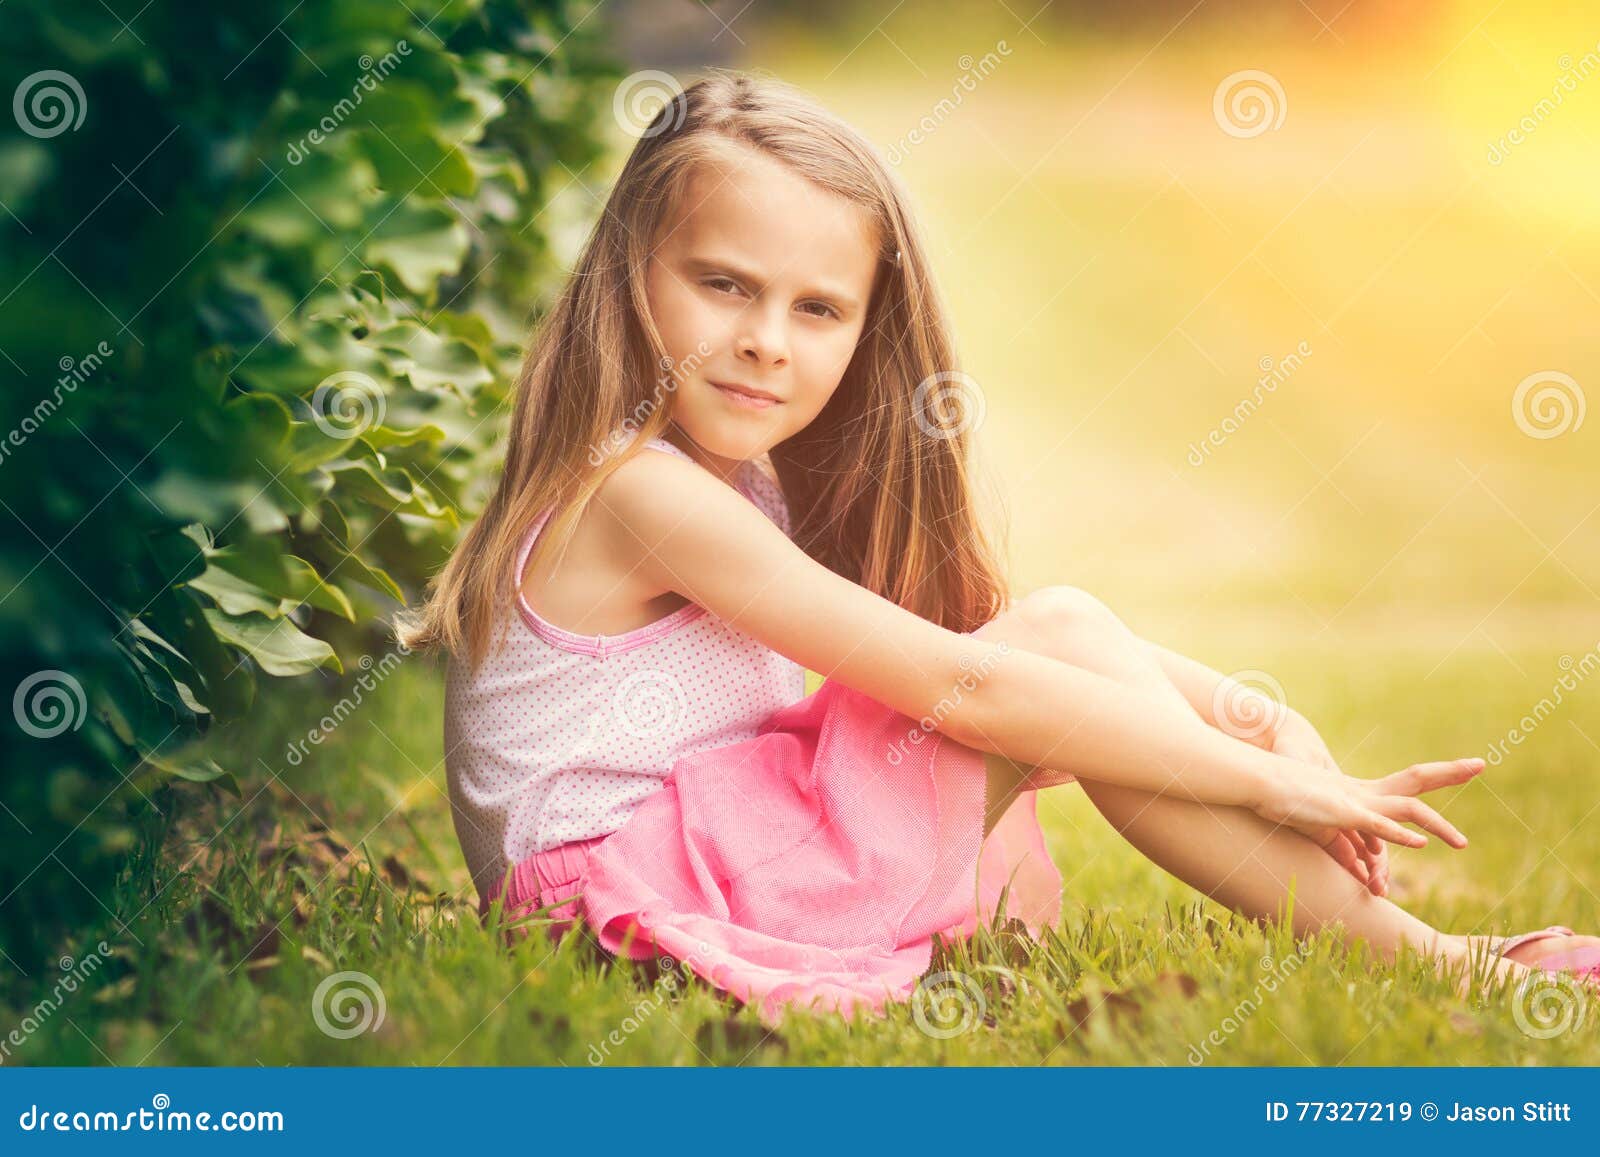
(844, 302)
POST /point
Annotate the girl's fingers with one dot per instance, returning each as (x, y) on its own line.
(1344, 854)
(1419, 813)
(1358, 852)
(1356, 859)
(1385, 828)
(1423, 777)
(1379, 863)
(1369, 862)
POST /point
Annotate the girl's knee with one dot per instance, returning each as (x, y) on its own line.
(1059, 612)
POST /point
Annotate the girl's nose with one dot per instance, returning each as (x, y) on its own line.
(763, 340)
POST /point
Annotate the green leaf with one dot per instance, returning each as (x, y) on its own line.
(388, 436)
(307, 200)
(166, 671)
(236, 596)
(391, 490)
(408, 156)
(277, 645)
(421, 244)
(433, 362)
(186, 497)
(493, 163)
(263, 418)
(200, 770)
(177, 556)
(469, 327)
(254, 577)
(313, 446)
(229, 684)
(377, 578)
(336, 537)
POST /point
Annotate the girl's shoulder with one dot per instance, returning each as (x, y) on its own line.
(757, 481)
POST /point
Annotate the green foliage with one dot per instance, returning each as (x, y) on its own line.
(265, 272)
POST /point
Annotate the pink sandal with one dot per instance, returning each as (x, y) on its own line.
(1583, 963)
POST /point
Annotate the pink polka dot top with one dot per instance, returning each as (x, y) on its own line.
(558, 736)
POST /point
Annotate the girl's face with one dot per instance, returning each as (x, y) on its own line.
(759, 285)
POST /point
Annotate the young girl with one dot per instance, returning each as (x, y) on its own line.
(731, 460)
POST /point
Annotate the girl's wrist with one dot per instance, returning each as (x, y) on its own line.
(1285, 721)
(1272, 722)
(1269, 773)
(1249, 779)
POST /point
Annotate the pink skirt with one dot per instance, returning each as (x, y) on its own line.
(809, 866)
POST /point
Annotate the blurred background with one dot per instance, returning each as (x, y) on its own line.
(1283, 321)
(1139, 217)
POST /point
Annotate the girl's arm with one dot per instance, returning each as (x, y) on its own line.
(1200, 686)
(1283, 731)
(685, 530)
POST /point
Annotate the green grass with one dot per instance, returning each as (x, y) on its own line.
(251, 903)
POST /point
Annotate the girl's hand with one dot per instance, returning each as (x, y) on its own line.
(1364, 856)
(1321, 805)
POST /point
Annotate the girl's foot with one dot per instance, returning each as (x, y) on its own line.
(1533, 951)
(1556, 948)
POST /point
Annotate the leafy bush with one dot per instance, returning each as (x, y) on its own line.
(265, 271)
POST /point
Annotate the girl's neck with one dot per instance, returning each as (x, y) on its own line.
(726, 469)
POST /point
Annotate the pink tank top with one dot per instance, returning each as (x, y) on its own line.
(559, 736)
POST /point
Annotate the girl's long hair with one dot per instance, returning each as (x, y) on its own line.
(878, 485)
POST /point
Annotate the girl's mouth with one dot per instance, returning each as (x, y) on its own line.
(744, 396)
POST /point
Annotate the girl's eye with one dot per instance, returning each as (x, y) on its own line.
(722, 284)
(825, 310)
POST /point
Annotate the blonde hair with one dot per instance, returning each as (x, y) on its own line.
(875, 493)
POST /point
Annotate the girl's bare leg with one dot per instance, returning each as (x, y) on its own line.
(1229, 853)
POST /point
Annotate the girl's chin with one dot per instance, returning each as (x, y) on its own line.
(735, 439)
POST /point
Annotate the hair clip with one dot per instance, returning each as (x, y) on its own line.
(896, 259)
